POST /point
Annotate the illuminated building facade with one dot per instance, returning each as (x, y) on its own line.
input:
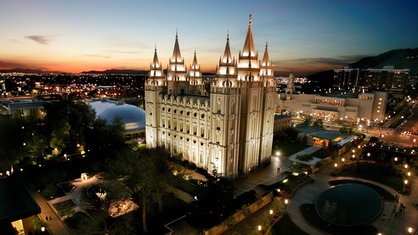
(386, 79)
(229, 130)
(350, 107)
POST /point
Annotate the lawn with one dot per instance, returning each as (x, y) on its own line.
(288, 149)
(65, 207)
(285, 226)
(377, 173)
(311, 216)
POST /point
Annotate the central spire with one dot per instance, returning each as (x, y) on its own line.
(176, 51)
(248, 49)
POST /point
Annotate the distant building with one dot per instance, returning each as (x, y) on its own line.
(228, 130)
(348, 107)
(346, 78)
(132, 117)
(281, 122)
(386, 79)
(23, 108)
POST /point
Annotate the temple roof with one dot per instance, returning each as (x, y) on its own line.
(16, 201)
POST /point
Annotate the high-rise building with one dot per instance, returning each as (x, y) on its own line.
(230, 129)
(359, 80)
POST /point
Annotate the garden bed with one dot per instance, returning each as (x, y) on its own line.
(65, 208)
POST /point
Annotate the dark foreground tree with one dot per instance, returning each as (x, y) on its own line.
(144, 174)
(14, 133)
(213, 203)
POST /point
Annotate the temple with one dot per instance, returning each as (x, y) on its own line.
(228, 129)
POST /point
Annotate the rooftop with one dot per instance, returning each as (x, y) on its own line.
(16, 201)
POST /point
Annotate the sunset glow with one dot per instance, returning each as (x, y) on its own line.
(303, 36)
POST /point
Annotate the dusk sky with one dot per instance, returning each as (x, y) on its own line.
(303, 35)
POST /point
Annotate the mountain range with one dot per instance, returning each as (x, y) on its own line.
(399, 58)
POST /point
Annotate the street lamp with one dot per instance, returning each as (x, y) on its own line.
(410, 230)
(259, 228)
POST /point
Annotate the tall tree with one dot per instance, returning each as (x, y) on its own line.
(144, 173)
(13, 141)
(60, 135)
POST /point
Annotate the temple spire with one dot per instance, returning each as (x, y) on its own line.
(176, 51)
(248, 49)
(155, 61)
(265, 61)
(227, 58)
(194, 58)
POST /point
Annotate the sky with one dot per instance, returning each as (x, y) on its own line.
(303, 36)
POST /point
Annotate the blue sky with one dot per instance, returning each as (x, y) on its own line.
(303, 35)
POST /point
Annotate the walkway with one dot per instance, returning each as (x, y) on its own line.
(269, 175)
(54, 224)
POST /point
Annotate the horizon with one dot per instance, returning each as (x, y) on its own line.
(302, 37)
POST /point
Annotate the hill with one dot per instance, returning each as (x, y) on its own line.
(27, 70)
(399, 58)
(117, 71)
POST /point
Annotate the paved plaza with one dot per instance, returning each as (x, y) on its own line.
(386, 224)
